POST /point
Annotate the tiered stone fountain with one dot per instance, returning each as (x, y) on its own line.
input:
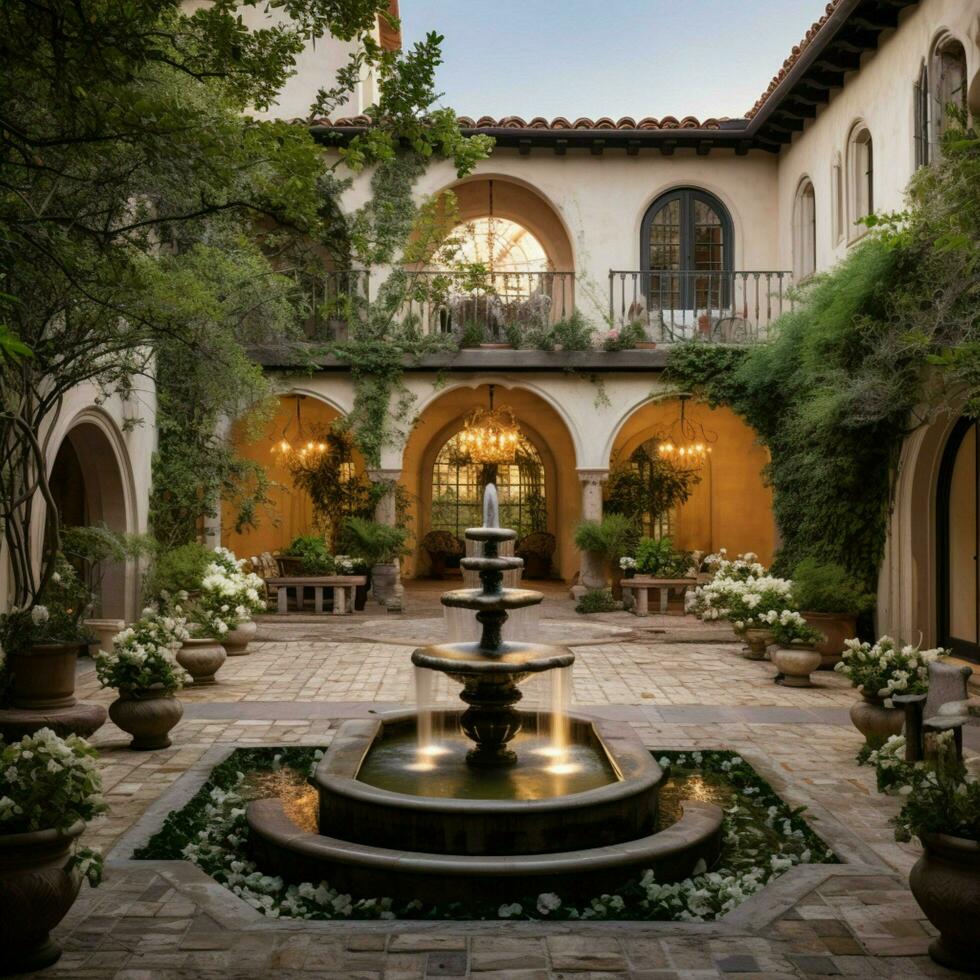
(491, 801)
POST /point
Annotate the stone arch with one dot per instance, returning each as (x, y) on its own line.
(732, 506)
(92, 483)
(290, 512)
(443, 415)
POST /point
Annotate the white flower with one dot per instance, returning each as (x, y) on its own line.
(548, 902)
(509, 911)
(40, 615)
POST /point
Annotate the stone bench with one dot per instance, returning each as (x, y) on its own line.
(339, 584)
(641, 586)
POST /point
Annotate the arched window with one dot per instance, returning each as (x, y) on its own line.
(948, 85)
(837, 193)
(921, 105)
(686, 250)
(804, 232)
(860, 178)
(458, 484)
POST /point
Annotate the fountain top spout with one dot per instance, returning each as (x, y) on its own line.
(491, 507)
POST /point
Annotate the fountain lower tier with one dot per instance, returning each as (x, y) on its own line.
(524, 831)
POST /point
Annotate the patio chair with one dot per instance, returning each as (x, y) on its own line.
(946, 708)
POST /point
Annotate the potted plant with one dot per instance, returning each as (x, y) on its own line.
(233, 595)
(603, 544)
(831, 599)
(381, 545)
(346, 565)
(659, 558)
(42, 642)
(51, 787)
(306, 555)
(95, 548)
(177, 570)
(536, 550)
(795, 654)
(942, 809)
(443, 548)
(878, 671)
(142, 668)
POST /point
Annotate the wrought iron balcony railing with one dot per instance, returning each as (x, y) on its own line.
(717, 307)
(335, 299)
(487, 305)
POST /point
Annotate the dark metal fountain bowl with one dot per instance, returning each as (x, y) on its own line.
(508, 658)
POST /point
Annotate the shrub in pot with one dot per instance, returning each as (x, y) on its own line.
(659, 558)
(795, 654)
(142, 668)
(603, 543)
(878, 671)
(51, 787)
(831, 599)
(442, 548)
(308, 555)
(232, 596)
(42, 642)
(177, 570)
(942, 809)
(381, 546)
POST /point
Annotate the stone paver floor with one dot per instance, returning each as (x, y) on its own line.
(681, 684)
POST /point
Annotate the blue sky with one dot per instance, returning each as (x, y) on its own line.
(608, 57)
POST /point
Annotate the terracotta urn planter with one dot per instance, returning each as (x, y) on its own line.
(236, 641)
(796, 663)
(147, 715)
(104, 630)
(44, 677)
(946, 883)
(874, 721)
(37, 888)
(836, 628)
(201, 657)
(756, 643)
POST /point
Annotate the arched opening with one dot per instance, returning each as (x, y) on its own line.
(686, 250)
(729, 505)
(837, 192)
(89, 489)
(540, 491)
(804, 232)
(921, 131)
(860, 177)
(958, 539)
(948, 90)
(336, 477)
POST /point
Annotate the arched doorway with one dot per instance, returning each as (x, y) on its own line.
(88, 488)
(958, 540)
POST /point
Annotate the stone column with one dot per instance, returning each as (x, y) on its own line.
(592, 574)
(386, 583)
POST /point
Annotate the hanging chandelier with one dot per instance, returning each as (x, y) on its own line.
(305, 448)
(687, 445)
(490, 436)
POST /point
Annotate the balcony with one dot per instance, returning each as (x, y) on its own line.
(334, 299)
(715, 307)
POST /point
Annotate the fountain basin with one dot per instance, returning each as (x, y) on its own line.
(376, 841)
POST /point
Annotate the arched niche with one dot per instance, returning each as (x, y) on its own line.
(540, 423)
(731, 507)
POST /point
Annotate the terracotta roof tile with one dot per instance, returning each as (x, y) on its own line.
(559, 122)
(794, 55)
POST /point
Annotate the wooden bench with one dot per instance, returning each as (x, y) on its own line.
(281, 584)
(642, 584)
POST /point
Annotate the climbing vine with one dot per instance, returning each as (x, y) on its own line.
(878, 346)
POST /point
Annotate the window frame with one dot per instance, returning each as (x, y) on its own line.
(804, 231)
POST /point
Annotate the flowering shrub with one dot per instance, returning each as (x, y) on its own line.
(627, 564)
(229, 595)
(742, 567)
(142, 655)
(747, 603)
(885, 669)
(888, 760)
(346, 565)
(789, 627)
(762, 839)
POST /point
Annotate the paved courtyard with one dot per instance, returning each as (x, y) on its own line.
(681, 684)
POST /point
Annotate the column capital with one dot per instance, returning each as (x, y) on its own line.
(378, 475)
(590, 475)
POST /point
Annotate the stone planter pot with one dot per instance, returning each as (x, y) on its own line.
(44, 677)
(836, 628)
(384, 579)
(201, 657)
(796, 663)
(593, 574)
(874, 721)
(147, 715)
(105, 630)
(37, 888)
(756, 643)
(946, 883)
(236, 641)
